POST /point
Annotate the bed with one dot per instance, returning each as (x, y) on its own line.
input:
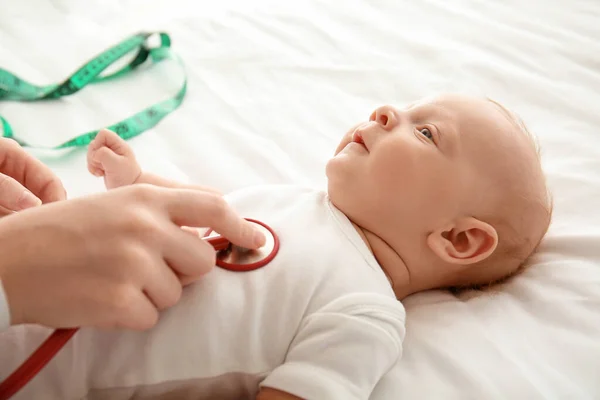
(272, 85)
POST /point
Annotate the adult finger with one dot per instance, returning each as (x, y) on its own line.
(188, 255)
(202, 209)
(5, 211)
(189, 279)
(160, 181)
(141, 315)
(13, 196)
(47, 188)
(30, 172)
(163, 287)
(135, 311)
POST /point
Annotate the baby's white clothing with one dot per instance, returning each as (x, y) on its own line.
(320, 321)
(4, 312)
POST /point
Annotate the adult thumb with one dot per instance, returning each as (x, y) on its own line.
(14, 196)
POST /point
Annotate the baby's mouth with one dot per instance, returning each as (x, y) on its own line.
(357, 138)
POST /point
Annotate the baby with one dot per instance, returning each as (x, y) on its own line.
(446, 193)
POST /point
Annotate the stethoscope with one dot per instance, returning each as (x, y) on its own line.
(229, 257)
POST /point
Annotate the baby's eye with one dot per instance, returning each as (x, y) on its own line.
(427, 133)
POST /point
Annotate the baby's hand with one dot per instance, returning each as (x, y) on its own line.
(110, 156)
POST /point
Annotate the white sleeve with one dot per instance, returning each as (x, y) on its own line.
(343, 350)
(4, 312)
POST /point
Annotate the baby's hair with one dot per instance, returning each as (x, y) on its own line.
(503, 255)
(518, 252)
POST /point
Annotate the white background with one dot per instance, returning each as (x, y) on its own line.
(274, 84)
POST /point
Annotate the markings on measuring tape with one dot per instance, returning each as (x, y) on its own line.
(14, 88)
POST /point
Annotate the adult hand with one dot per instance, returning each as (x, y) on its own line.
(25, 181)
(114, 259)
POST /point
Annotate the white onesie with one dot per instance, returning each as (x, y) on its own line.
(320, 322)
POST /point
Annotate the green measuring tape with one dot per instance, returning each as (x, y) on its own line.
(13, 88)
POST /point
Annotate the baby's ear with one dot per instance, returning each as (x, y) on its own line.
(467, 241)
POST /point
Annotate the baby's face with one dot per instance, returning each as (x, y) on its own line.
(405, 173)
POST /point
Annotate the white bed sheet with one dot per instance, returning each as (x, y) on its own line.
(273, 85)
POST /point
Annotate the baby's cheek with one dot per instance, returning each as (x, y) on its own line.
(390, 167)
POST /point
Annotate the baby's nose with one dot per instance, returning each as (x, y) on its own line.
(386, 117)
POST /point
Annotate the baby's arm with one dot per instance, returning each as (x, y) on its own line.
(340, 351)
(111, 157)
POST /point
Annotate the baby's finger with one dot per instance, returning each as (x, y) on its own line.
(98, 141)
(107, 138)
(109, 160)
(95, 168)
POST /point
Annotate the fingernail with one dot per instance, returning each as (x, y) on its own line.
(259, 239)
(28, 200)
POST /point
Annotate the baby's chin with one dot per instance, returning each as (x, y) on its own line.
(338, 163)
(331, 168)
(335, 193)
(345, 198)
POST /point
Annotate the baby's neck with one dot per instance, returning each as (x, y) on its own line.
(389, 260)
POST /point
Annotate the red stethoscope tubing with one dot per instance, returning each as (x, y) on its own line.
(36, 361)
(59, 338)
